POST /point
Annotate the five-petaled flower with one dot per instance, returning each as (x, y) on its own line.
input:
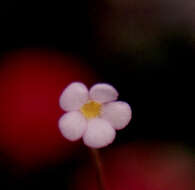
(93, 115)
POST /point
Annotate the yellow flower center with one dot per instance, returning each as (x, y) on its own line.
(91, 109)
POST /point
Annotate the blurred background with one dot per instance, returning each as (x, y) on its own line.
(143, 48)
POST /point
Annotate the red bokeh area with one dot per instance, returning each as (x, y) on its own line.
(140, 166)
(30, 85)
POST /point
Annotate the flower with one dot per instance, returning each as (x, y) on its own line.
(93, 115)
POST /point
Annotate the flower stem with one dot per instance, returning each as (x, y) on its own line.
(99, 168)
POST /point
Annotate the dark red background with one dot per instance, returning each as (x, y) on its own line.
(31, 83)
(145, 50)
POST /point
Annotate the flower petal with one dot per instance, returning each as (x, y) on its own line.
(74, 96)
(103, 93)
(117, 113)
(99, 133)
(72, 125)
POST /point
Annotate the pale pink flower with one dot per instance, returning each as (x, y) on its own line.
(93, 115)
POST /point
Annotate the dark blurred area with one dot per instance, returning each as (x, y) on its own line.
(143, 48)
